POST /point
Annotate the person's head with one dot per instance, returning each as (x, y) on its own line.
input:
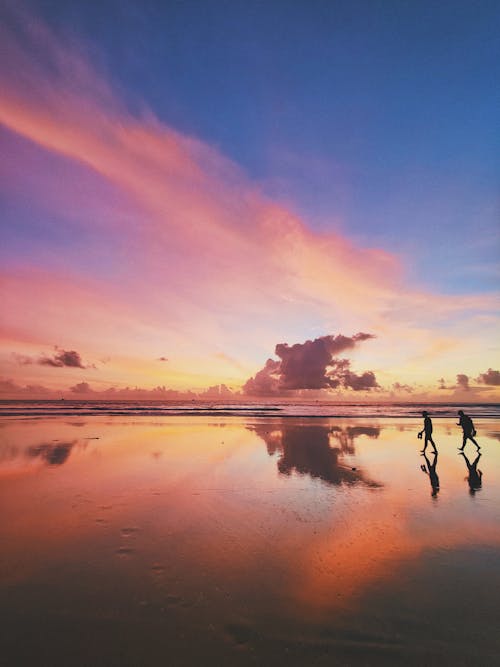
(424, 413)
(461, 412)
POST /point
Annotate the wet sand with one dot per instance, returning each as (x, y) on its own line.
(247, 541)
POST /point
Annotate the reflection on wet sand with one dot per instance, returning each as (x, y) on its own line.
(307, 450)
(475, 476)
(54, 454)
(186, 542)
(16, 457)
(431, 471)
(346, 435)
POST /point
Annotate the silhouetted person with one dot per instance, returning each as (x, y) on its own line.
(475, 476)
(468, 428)
(433, 478)
(428, 432)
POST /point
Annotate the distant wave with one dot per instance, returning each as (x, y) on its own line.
(72, 408)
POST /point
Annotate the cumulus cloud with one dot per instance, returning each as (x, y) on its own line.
(399, 387)
(217, 391)
(10, 389)
(81, 388)
(363, 382)
(490, 377)
(265, 382)
(63, 358)
(22, 359)
(311, 365)
(486, 383)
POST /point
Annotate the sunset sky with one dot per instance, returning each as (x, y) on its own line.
(186, 185)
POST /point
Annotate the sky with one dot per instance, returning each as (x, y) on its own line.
(271, 198)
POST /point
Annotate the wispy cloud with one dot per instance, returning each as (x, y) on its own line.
(200, 260)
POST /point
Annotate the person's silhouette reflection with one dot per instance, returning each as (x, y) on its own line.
(475, 476)
(431, 471)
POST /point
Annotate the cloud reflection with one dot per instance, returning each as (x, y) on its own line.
(307, 450)
(53, 454)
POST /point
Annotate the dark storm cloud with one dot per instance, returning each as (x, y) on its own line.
(62, 358)
(304, 365)
(490, 377)
(311, 365)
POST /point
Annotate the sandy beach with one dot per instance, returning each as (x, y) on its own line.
(247, 541)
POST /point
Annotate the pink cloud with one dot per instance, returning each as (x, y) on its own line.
(489, 377)
(206, 261)
(463, 382)
(311, 365)
(61, 358)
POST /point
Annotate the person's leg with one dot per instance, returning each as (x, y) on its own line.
(474, 441)
(433, 444)
(463, 443)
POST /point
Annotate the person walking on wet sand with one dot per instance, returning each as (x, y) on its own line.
(428, 432)
(468, 429)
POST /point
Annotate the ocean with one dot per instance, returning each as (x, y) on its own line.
(86, 408)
